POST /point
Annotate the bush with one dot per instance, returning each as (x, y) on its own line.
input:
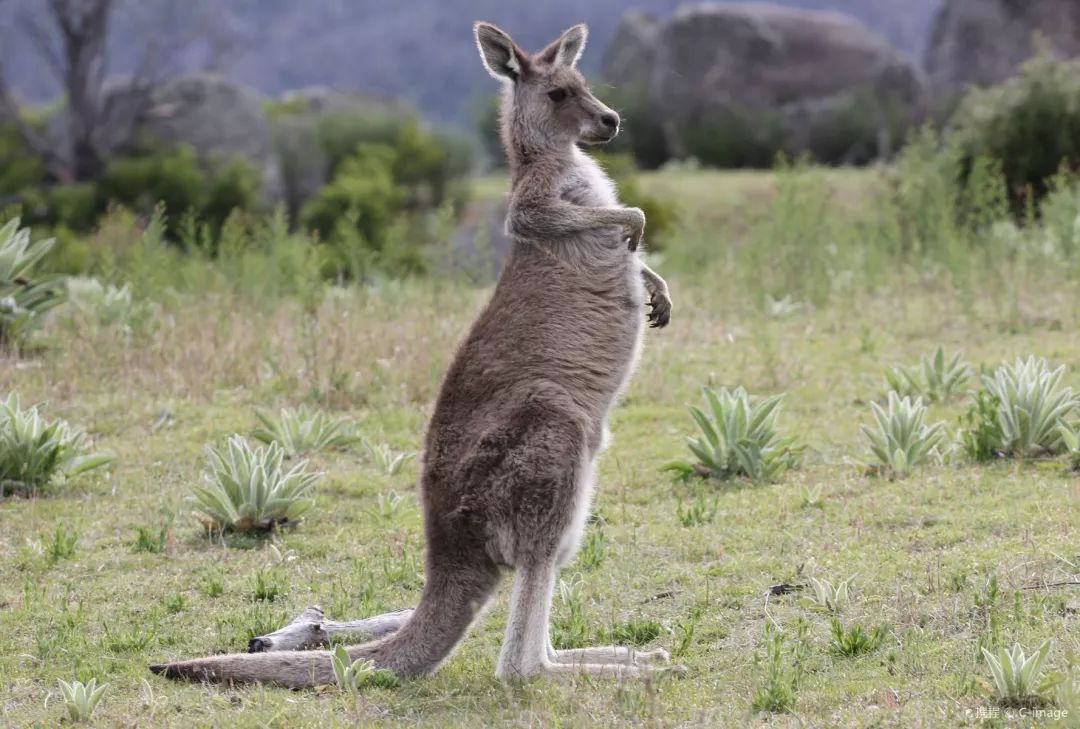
(394, 170)
(177, 179)
(21, 168)
(426, 163)
(642, 133)
(140, 182)
(486, 118)
(354, 212)
(734, 139)
(1030, 123)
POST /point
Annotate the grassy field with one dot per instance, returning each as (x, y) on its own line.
(952, 557)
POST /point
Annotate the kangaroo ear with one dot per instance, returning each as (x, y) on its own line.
(567, 49)
(501, 56)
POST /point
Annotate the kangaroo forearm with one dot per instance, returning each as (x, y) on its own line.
(654, 283)
(562, 219)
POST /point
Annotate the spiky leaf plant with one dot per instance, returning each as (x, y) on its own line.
(934, 378)
(81, 699)
(830, 597)
(855, 641)
(385, 459)
(35, 454)
(901, 439)
(24, 297)
(350, 674)
(93, 302)
(1070, 438)
(1032, 405)
(738, 438)
(248, 489)
(304, 431)
(1015, 674)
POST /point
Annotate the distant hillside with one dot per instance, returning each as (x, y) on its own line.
(420, 50)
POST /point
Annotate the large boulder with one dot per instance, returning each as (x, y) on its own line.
(216, 116)
(629, 57)
(733, 81)
(982, 42)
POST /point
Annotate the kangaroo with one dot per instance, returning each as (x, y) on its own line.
(508, 468)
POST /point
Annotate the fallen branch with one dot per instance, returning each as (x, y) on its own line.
(1047, 585)
(311, 629)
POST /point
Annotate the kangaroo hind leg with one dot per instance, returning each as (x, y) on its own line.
(526, 650)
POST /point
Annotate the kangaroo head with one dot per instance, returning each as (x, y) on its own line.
(547, 104)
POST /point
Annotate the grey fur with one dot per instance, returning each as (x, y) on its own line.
(521, 417)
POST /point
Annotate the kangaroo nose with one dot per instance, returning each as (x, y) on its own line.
(610, 120)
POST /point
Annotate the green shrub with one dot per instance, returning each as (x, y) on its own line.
(177, 179)
(355, 211)
(734, 139)
(782, 665)
(141, 182)
(1030, 123)
(486, 118)
(642, 133)
(73, 206)
(21, 168)
(425, 163)
(1060, 212)
(234, 185)
(855, 641)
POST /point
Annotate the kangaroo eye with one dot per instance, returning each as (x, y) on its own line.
(558, 95)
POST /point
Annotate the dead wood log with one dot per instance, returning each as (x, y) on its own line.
(311, 629)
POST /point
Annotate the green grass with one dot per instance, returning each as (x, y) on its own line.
(924, 549)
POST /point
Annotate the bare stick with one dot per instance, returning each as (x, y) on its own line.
(311, 629)
(1046, 585)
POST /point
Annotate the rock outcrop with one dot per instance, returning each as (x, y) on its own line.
(216, 116)
(983, 42)
(725, 78)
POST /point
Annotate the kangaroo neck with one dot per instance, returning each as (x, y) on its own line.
(528, 163)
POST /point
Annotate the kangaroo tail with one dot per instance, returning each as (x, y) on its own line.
(452, 599)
